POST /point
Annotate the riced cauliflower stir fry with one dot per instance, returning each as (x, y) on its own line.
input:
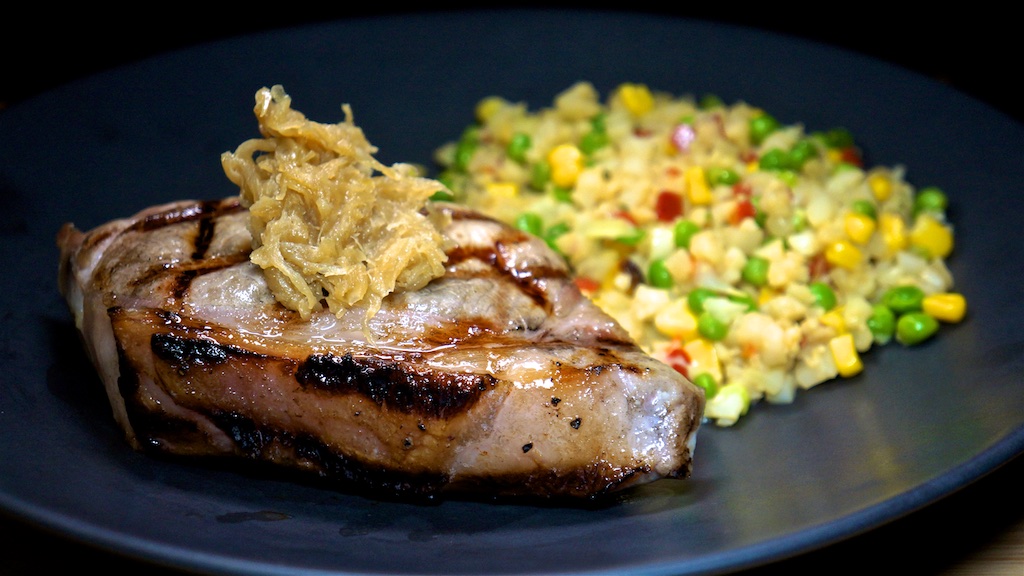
(754, 257)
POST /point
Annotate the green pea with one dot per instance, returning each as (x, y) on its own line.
(774, 160)
(466, 147)
(540, 175)
(930, 199)
(864, 207)
(903, 299)
(761, 127)
(658, 275)
(802, 151)
(709, 101)
(759, 216)
(553, 233)
(442, 196)
(823, 294)
(593, 141)
(683, 232)
(789, 177)
(562, 194)
(745, 299)
(717, 175)
(915, 327)
(632, 238)
(838, 138)
(557, 230)
(518, 146)
(708, 383)
(447, 178)
(882, 323)
(755, 270)
(695, 299)
(800, 221)
(845, 167)
(710, 327)
(530, 222)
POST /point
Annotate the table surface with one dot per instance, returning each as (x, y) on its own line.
(977, 531)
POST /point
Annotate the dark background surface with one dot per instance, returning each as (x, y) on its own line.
(976, 50)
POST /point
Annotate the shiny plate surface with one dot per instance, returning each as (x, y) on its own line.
(847, 457)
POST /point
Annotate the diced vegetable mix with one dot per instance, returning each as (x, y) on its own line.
(756, 258)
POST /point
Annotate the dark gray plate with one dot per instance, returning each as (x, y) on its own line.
(846, 457)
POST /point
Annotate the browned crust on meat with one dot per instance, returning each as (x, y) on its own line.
(388, 421)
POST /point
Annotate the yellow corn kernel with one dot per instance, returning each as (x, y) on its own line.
(834, 155)
(893, 230)
(843, 254)
(845, 355)
(703, 358)
(881, 186)
(834, 318)
(670, 147)
(566, 163)
(753, 166)
(930, 234)
(676, 321)
(697, 189)
(765, 295)
(486, 108)
(637, 98)
(859, 227)
(502, 189)
(945, 307)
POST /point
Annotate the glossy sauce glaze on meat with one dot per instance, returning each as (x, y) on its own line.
(499, 378)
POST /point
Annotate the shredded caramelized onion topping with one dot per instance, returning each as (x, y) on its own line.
(332, 226)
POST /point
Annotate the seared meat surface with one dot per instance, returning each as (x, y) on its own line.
(498, 378)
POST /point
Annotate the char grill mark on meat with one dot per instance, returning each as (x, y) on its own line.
(501, 353)
(530, 282)
(185, 354)
(188, 212)
(403, 388)
(307, 452)
(198, 219)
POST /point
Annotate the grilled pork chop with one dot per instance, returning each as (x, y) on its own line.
(498, 378)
